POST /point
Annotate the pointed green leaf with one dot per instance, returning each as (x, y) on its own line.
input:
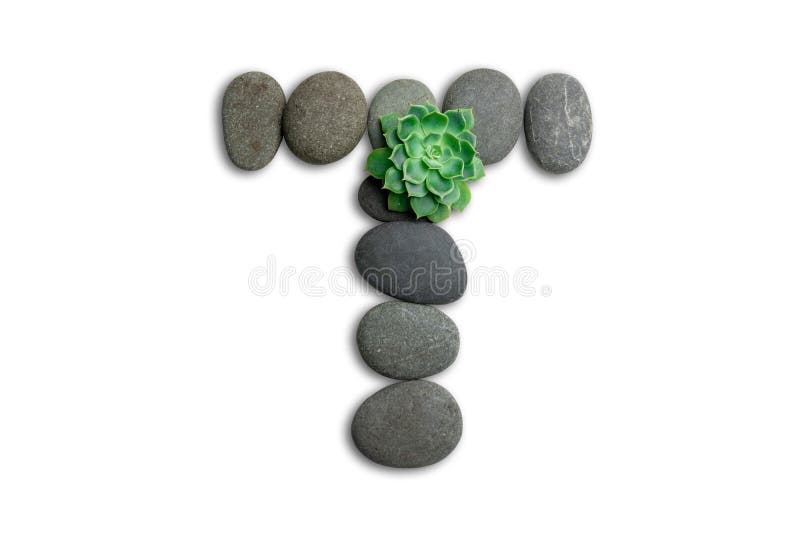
(415, 171)
(450, 141)
(465, 151)
(452, 196)
(455, 122)
(465, 195)
(378, 161)
(398, 202)
(452, 168)
(389, 122)
(398, 156)
(394, 181)
(437, 184)
(423, 206)
(474, 171)
(418, 111)
(442, 212)
(430, 107)
(433, 140)
(416, 190)
(408, 126)
(391, 138)
(469, 137)
(414, 146)
(434, 123)
(432, 163)
(469, 118)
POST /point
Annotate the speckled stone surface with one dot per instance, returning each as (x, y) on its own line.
(325, 118)
(252, 108)
(373, 200)
(497, 106)
(408, 424)
(407, 341)
(558, 123)
(394, 97)
(413, 262)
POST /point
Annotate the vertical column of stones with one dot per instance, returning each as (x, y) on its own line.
(413, 422)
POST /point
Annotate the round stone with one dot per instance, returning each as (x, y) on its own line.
(497, 106)
(407, 341)
(373, 199)
(252, 108)
(394, 97)
(325, 118)
(408, 424)
(558, 123)
(414, 262)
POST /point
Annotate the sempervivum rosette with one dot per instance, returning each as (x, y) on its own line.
(429, 161)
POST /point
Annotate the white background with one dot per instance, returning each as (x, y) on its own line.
(145, 388)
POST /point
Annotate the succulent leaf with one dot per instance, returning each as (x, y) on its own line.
(394, 181)
(455, 122)
(469, 137)
(465, 195)
(389, 121)
(415, 171)
(398, 156)
(378, 161)
(414, 146)
(399, 202)
(430, 107)
(434, 123)
(418, 111)
(442, 212)
(474, 170)
(408, 126)
(469, 118)
(452, 168)
(452, 196)
(423, 206)
(416, 190)
(438, 184)
(391, 138)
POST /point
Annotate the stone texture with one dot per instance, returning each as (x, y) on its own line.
(408, 424)
(373, 200)
(558, 123)
(325, 118)
(252, 108)
(394, 97)
(497, 106)
(407, 341)
(413, 262)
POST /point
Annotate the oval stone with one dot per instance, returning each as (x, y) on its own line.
(558, 123)
(407, 341)
(394, 97)
(325, 118)
(373, 199)
(497, 106)
(408, 424)
(414, 262)
(252, 108)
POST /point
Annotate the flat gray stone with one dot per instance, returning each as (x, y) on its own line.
(408, 424)
(325, 118)
(407, 341)
(252, 108)
(558, 123)
(497, 106)
(394, 97)
(413, 262)
(373, 200)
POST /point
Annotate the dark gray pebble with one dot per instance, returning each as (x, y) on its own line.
(252, 108)
(414, 262)
(373, 199)
(497, 106)
(394, 97)
(407, 341)
(558, 123)
(325, 118)
(408, 424)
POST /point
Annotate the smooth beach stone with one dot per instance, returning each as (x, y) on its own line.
(252, 108)
(413, 262)
(408, 424)
(558, 123)
(373, 199)
(497, 106)
(325, 118)
(407, 341)
(394, 97)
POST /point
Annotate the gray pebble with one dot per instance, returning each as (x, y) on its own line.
(497, 106)
(558, 123)
(413, 262)
(373, 199)
(325, 118)
(408, 424)
(251, 119)
(407, 341)
(394, 97)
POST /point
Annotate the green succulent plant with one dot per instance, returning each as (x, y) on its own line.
(429, 159)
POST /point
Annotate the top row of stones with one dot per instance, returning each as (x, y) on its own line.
(326, 115)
